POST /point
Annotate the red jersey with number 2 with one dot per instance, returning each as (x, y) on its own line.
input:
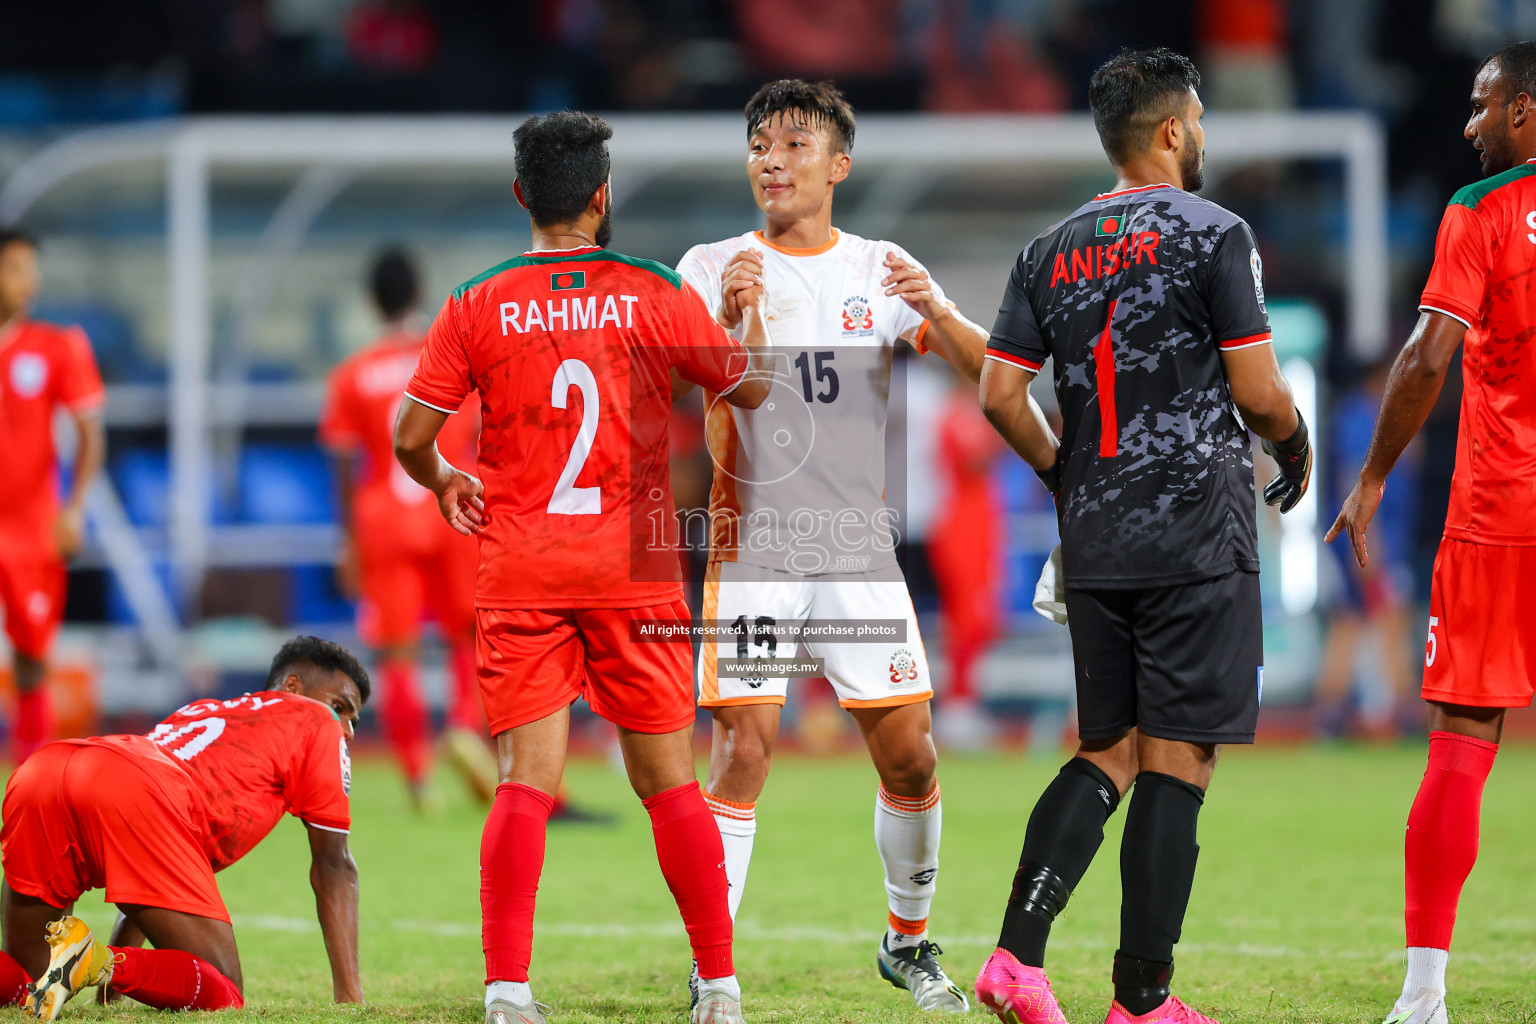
(572, 352)
(1485, 276)
(256, 758)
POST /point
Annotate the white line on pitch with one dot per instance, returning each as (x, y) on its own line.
(751, 930)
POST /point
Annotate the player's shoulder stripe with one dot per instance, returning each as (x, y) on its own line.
(1471, 195)
(661, 270)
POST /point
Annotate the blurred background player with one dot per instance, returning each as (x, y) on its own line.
(42, 369)
(1159, 539)
(1372, 602)
(966, 545)
(1480, 656)
(398, 558)
(839, 304)
(572, 348)
(152, 818)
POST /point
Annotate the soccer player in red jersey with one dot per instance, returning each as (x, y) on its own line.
(152, 818)
(572, 348)
(1480, 657)
(398, 557)
(42, 368)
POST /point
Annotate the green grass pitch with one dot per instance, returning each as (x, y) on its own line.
(1296, 915)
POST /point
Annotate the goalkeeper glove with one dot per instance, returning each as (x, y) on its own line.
(1294, 457)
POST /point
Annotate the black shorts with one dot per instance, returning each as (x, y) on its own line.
(1182, 662)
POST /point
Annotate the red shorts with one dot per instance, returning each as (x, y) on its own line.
(112, 813)
(533, 662)
(399, 588)
(1481, 650)
(32, 594)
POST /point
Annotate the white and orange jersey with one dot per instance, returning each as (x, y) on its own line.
(799, 482)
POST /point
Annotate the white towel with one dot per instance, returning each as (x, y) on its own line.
(1050, 594)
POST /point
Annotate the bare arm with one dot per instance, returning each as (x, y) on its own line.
(333, 875)
(758, 380)
(90, 450)
(458, 493)
(1414, 384)
(956, 340)
(1014, 413)
(1261, 392)
(344, 472)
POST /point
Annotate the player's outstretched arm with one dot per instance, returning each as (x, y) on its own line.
(333, 874)
(959, 342)
(1417, 376)
(458, 493)
(1014, 413)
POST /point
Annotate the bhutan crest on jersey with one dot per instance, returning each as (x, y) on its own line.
(903, 668)
(858, 319)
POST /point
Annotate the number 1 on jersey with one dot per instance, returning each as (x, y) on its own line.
(568, 499)
(1104, 379)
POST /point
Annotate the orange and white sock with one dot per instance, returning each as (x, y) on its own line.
(737, 823)
(907, 833)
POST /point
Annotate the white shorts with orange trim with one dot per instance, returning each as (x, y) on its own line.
(881, 673)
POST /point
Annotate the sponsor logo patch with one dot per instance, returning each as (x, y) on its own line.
(1257, 266)
(346, 768)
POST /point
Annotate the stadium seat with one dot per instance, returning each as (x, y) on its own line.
(285, 485)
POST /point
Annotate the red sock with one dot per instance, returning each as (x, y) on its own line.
(1442, 834)
(464, 709)
(692, 861)
(169, 979)
(13, 981)
(34, 722)
(511, 860)
(403, 716)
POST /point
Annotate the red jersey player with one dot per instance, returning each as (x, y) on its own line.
(399, 558)
(572, 348)
(42, 368)
(152, 818)
(1480, 656)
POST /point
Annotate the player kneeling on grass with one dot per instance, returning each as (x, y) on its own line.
(151, 818)
(572, 348)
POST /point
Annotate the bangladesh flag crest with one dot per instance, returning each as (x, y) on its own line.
(568, 281)
(1109, 225)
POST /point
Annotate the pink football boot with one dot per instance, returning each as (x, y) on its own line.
(1016, 993)
(1171, 1012)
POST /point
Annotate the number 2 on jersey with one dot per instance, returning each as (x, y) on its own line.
(568, 499)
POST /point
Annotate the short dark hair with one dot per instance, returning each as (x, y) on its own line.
(321, 654)
(820, 104)
(561, 158)
(394, 282)
(17, 233)
(1135, 91)
(1517, 67)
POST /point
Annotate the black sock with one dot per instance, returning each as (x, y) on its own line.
(1141, 986)
(1064, 832)
(1157, 871)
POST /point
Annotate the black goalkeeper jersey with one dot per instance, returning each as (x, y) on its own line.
(1135, 296)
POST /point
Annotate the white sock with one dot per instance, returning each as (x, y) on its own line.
(1426, 969)
(737, 823)
(907, 833)
(515, 992)
(726, 986)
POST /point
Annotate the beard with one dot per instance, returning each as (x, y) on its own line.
(1192, 166)
(605, 227)
(1497, 152)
